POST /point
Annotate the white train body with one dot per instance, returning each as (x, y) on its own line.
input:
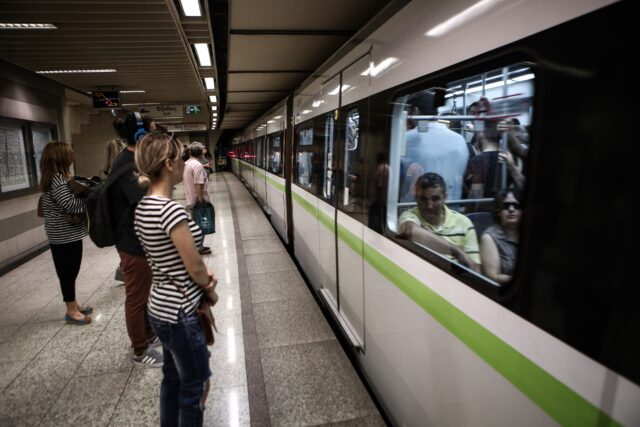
(434, 350)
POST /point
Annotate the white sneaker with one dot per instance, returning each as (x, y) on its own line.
(155, 342)
(149, 359)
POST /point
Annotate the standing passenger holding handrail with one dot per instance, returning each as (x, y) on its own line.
(180, 280)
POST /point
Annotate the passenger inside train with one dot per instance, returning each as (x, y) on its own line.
(499, 242)
(432, 224)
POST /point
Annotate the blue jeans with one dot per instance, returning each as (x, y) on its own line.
(185, 370)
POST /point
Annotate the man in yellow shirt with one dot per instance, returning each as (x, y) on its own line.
(435, 226)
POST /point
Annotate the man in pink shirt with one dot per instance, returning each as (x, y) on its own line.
(196, 182)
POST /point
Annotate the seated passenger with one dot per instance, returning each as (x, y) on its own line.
(499, 242)
(434, 225)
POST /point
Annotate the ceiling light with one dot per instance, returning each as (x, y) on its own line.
(213, 98)
(191, 7)
(316, 104)
(26, 26)
(98, 70)
(277, 117)
(307, 111)
(133, 91)
(215, 114)
(461, 18)
(271, 121)
(202, 49)
(214, 107)
(209, 83)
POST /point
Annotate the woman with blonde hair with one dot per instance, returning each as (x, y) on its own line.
(180, 280)
(65, 237)
(113, 148)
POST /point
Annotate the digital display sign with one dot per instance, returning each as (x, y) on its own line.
(106, 99)
(192, 109)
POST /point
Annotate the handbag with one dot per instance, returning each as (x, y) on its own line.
(205, 216)
(203, 311)
(207, 321)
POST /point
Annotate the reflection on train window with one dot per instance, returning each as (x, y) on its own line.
(457, 168)
(352, 180)
(305, 157)
(328, 187)
(275, 157)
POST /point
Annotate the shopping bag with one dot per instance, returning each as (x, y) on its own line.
(205, 216)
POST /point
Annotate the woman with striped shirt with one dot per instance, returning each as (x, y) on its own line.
(180, 280)
(65, 238)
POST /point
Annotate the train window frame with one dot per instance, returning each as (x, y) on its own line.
(357, 200)
(307, 126)
(328, 149)
(260, 152)
(476, 280)
(276, 153)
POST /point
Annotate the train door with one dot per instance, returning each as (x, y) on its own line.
(327, 206)
(351, 213)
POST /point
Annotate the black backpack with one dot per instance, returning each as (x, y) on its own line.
(101, 231)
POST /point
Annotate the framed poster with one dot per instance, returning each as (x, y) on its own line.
(14, 173)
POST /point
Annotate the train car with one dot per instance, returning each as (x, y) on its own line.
(523, 98)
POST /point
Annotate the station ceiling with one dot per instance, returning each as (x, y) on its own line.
(266, 50)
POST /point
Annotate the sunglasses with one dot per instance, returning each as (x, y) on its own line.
(508, 205)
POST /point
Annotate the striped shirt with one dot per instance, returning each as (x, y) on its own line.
(456, 229)
(172, 289)
(55, 202)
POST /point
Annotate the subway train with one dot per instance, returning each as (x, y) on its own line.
(541, 91)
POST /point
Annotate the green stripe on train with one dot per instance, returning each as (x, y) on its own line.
(559, 401)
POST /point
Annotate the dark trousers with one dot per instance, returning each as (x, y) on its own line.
(185, 371)
(67, 258)
(137, 284)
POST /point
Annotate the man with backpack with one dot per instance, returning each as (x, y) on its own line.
(123, 196)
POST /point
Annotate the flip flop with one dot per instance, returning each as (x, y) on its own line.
(81, 322)
(87, 310)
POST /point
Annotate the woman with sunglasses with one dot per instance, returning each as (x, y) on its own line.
(499, 242)
(180, 280)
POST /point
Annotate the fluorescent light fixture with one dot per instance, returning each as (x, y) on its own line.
(271, 121)
(277, 117)
(97, 70)
(335, 91)
(133, 91)
(214, 107)
(213, 98)
(209, 83)
(374, 70)
(461, 18)
(191, 7)
(316, 104)
(214, 114)
(523, 78)
(202, 49)
(307, 111)
(26, 26)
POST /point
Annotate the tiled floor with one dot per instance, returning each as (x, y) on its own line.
(275, 360)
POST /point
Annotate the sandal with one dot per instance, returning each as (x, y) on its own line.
(86, 311)
(81, 322)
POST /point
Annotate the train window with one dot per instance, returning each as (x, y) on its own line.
(275, 155)
(259, 152)
(328, 186)
(353, 173)
(304, 157)
(457, 168)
